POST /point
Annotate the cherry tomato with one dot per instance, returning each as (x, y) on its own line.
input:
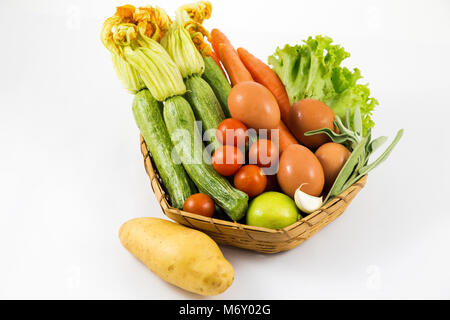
(263, 153)
(232, 132)
(227, 160)
(200, 204)
(251, 180)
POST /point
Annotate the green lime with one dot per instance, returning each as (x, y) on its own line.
(272, 210)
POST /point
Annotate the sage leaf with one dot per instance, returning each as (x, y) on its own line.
(357, 121)
(338, 138)
(375, 144)
(384, 156)
(344, 130)
(348, 169)
(366, 169)
(369, 139)
(347, 119)
(352, 136)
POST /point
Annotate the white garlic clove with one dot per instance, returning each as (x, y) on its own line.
(305, 202)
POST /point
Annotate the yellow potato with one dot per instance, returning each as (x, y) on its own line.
(181, 256)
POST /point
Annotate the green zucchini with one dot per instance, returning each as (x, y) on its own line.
(218, 82)
(180, 122)
(206, 108)
(148, 116)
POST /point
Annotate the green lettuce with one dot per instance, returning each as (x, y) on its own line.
(313, 70)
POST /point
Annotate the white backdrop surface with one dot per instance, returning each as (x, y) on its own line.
(71, 172)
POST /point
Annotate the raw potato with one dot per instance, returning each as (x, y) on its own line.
(181, 256)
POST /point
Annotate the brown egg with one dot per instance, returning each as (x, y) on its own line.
(308, 115)
(254, 105)
(333, 157)
(297, 166)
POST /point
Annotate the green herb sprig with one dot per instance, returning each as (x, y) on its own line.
(361, 146)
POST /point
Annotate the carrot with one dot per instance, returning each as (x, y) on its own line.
(229, 57)
(240, 71)
(233, 64)
(264, 75)
(217, 38)
(285, 138)
(216, 59)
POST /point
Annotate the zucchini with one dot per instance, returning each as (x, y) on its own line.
(206, 108)
(218, 82)
(148, 116)
(180, 122)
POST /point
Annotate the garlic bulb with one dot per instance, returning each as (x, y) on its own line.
(305, 202)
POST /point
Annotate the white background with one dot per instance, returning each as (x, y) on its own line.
(71, 172)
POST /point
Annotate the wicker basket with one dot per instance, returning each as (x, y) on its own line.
(248, 237)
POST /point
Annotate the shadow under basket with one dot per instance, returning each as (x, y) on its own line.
(248, 237)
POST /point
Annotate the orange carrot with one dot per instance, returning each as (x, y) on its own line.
(216, 59)
(264, 75)
(231, 62)
(233, 65)
(240, 71)
(285, 138)
(217, 37)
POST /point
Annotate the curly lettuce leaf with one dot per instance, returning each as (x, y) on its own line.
(313, 70)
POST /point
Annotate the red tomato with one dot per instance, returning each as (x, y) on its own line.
(227, 160)
(251, 180)
(263, 153)
(232, 132)
(200, 204)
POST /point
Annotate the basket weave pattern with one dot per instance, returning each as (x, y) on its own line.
(249, 237)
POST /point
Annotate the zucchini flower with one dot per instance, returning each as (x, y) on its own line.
(194, 15)
(179, 42)
(136, 43)
(126, 73)
(126, 12)
(152, 22)
(198, 12)
(158, 71)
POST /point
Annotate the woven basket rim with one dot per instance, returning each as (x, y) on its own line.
(233, 224)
